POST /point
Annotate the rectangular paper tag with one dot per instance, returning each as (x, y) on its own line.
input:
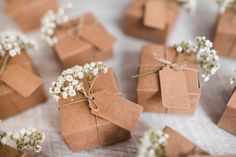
(97, 36)
(21, 80)
(117, 109)
(174, 90)
(155, 14)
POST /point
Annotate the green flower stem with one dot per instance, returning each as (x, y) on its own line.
(145, 73)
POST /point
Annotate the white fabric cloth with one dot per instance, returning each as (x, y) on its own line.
(200, 128)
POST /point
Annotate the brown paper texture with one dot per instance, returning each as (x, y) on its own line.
(135, 16)
(179, 146)
(117, 109)
(149, 88)
(92, 42)
(28, 13)
(82, 130)
(225, 37)
(212, 156)
(174, 92)
(228, 119)
(13, 102)
(155, 14)
(7, 151)
(14, 73)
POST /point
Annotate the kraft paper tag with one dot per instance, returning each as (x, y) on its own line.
(174, 91)
(117, 109)
(21, 80)
(97, 36)
(155, 14)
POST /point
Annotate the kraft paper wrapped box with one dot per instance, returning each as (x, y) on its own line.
(212, 156)
(228, 119)
(179, 146)
(151, 20)
(83, 128)
(91, 42)
(20, 86)
(7, 151)
(27, 13)
(168, 91)
(225, 37)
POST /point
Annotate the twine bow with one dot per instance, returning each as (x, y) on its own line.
(164, 62)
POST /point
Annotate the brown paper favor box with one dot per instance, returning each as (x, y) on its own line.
(28, 13)
(179, 146)
(20, 86)
(91, 42)
(228, 119)
(154, 96)
(7, 151)
(225, 37)
(83, 128)
(151, 19)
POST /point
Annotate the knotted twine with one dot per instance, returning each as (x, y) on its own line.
(91, 103)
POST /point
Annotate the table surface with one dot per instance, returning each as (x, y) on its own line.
(200, 128)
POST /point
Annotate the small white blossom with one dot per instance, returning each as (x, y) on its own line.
(233, 78)
(152, 144)
(70, 82)
(189, 5)
(50, 21)
(205, 55)
(226, 5)
(13, 43)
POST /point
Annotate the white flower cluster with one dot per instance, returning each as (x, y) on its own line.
(226, 4)
(13, 43)
(205, 55)
(233, 78)
(25, 139)
(70, 82)
(189, 5)
(152, 144)
(50, 21)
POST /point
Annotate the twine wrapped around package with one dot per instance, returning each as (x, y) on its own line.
(91, 103)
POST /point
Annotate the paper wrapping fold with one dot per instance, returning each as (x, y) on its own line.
(7, 151)
(20, 86)
(149, 88)
(92, 42)
(151, 20)
(28, 13)
(115, 118)
(228, 119)
(179, 146)
(225, 37)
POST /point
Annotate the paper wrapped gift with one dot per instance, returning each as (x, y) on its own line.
(228, 119)
(225, 37)
(174, 91)
(7, 151)
(179, 146)
(83, 40)
(20, 86)
(152, 20)
(83, 127)
(28, 13)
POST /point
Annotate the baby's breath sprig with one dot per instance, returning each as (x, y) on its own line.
(227, 5)
(51, 20)
(12, 43)
(26, 139)
(205, 56)
(70, 83)
(189, 5)
(152, 144)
